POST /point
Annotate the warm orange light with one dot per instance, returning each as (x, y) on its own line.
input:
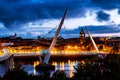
(76, 47)
(68, 47)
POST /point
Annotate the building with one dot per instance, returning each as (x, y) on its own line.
(82, 39)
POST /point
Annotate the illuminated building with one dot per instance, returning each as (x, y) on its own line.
(82, 39)
(67, 46)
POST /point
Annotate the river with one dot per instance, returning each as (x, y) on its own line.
(29, 67)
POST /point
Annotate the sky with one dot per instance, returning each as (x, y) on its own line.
(32, 18)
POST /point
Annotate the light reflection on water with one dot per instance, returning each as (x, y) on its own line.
(66, 66)
(61, 65)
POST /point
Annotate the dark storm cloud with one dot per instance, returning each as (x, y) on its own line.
(106, 4)
(14, 12)
(102, 16)
(101, 29)
(96, 29)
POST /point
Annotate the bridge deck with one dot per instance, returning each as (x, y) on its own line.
(57, 54)
(3, 58)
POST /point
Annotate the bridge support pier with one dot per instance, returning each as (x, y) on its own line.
(9, 63)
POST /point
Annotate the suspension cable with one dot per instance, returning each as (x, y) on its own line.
(66, 31)
(49, 32)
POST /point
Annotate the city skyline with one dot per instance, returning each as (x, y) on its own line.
(30, 18)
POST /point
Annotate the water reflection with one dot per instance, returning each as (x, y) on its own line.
(66, 66)
(2, 70)
(61, 65)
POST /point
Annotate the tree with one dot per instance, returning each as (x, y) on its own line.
(16, 74)
(59, 75)
(102, 69)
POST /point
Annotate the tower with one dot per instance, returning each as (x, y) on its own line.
(82, 40)
(15, 34)
(82, 37)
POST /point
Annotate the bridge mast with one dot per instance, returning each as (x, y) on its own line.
(93, 42)
(47, 56)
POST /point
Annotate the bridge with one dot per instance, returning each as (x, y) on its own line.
(3, 58)
(36, 56)
(8, 60)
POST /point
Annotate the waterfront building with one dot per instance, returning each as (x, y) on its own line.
(82, 40)
(69, 45)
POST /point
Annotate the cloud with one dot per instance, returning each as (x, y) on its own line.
(16, 14)
(31, 32)
(106, 4)
(22, 11)
(97, 31)
(102, 16)
(119, 11)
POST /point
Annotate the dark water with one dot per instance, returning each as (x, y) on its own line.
(29, 67)
(61, 65)
(2, 70)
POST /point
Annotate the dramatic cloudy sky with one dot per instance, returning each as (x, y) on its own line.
(30, 18)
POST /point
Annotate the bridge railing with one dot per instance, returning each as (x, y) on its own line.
(56, 53)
